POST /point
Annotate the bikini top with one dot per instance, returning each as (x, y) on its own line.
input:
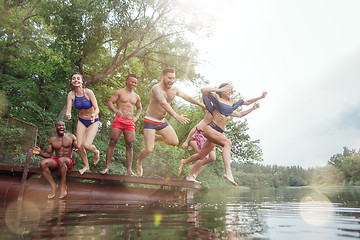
(82, 102)
(212, 103)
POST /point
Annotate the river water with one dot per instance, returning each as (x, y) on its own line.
(236, 214)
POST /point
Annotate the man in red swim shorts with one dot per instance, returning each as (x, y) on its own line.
(63, 144)
(124, 122)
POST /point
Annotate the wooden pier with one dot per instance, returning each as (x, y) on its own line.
(110, 177)
(19, 182)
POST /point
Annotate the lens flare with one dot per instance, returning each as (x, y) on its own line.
(22, 219)
(316, 209)
(157, 218)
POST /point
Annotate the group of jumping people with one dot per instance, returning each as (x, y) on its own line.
(217, 105)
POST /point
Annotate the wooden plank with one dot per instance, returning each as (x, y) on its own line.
(113, 177)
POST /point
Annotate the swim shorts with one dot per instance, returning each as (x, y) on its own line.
(71, 165)
(153, 123)
(201, 139)
(124, 124)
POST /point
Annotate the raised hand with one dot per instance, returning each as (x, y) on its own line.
(35, 150)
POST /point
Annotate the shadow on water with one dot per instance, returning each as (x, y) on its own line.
(238, 214)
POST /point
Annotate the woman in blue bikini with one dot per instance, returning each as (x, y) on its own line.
(219, 104)
(88, 123)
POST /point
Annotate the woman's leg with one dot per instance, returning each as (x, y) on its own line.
(218, 138)
(196, 168)
(81, 136)
(208, 146)
(88, 141)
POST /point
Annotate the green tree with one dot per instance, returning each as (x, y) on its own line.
(337, 159)
(42, 43)
(102, 36)
(328, 175)
(243, 148)
(351, 167)
(19, 29)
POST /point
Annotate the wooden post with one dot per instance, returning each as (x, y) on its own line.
(24, 176)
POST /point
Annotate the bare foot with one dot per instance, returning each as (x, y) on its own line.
(131, 173)
(139, 168)
(230, 179)
(63, 192)
(182, 164)
(52, 192)
(84, 169)
(193, 180)
(96, 157)
(105, 171)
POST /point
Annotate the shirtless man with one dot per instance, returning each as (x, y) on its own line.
(161, 95)
(63, 144)
(125, 99)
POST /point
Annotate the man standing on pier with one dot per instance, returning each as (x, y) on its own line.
(125, 99)
(161, 96)
(63, 144)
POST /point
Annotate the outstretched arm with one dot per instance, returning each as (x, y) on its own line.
(36, 150)
(206, 90)
(190, 99)
(244, 113)
(250, 101)
(191, 133)
(164, 104)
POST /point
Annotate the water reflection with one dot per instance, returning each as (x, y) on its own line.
(261, 214)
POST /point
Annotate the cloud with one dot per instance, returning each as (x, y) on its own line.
(306, 54)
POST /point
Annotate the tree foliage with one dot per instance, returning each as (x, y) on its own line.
(347, 163)
(101, 36)
(43, 42)
(243, 148)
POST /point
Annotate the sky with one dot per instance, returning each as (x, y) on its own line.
(306, 55)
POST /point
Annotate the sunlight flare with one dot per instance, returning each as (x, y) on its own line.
(316, 209)
(157, 218)
(22, 220)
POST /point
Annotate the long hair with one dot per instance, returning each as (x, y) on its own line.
(222, 85)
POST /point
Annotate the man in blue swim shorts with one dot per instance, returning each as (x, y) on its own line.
(161, 96)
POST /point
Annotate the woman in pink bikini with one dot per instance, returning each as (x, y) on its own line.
(88, 123)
